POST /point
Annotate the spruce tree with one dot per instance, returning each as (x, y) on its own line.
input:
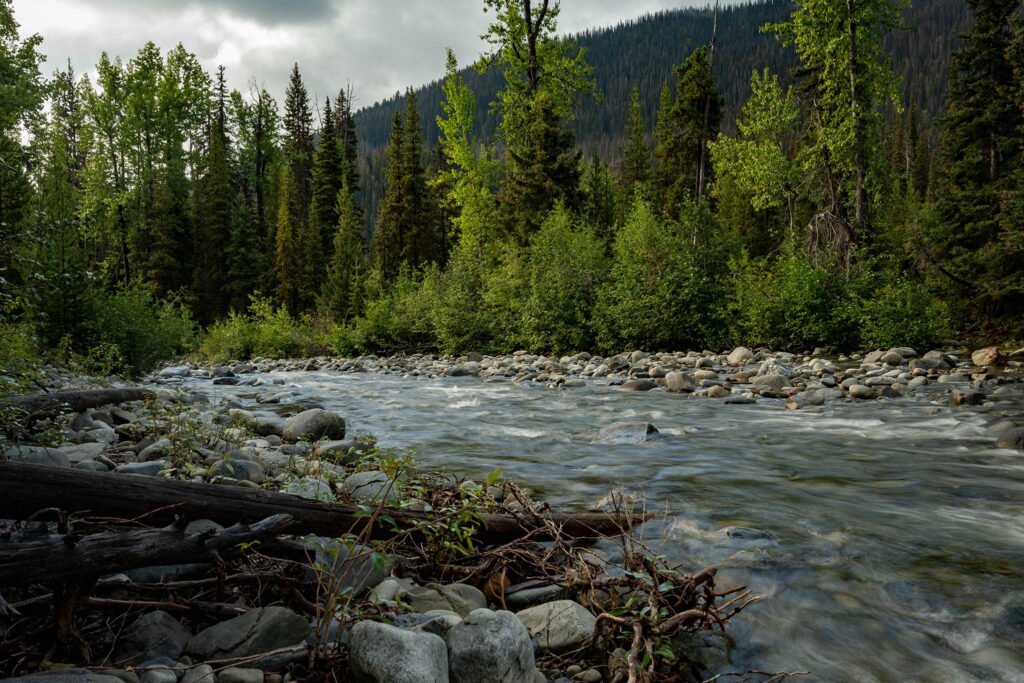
(345, 123)
(328, 174)
(342, 294)
(636, 165)
(389, 238)
(298, 140)
(289, 261)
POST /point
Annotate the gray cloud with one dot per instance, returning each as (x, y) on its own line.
(377, 46)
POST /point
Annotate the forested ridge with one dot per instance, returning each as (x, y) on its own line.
(644, 186)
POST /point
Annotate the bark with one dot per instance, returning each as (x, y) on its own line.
(69, 557)
(26, 488)
(78, 400)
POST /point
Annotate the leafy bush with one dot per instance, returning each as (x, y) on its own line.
(265, 331)
(900, 312)
(397, 317)
(790, 303)
(665, 291)
(141, 331)
(567, 266)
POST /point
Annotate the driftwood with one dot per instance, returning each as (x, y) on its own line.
(77, 400)
(26, 488)
(71, 557)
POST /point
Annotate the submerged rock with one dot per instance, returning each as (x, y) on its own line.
(627, 432)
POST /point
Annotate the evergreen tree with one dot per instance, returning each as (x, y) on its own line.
(290, 259)
(298, 142)
(345, 123)
(601, 204)
(980, 244)
(389, 238)
(636, 165)
(328, 175)
(544, 170)
(693, 121)
(342, 294)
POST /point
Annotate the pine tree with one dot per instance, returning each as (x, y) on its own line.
(289, 262)
(693, 121)
(328, 175)
(342, 295)
(389, 238)
(980, 157)
(541, 172)
(298, 141)
(345, 122)
(636, 165)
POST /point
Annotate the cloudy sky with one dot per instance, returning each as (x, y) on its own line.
(379, 46)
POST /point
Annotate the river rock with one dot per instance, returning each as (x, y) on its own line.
(314, 425)
(616, 363)
(66, 676)
(678, 382)
(156, 451)
(862, 391)
(627, 432)
(773, 366)
(267, 424)
(245, 470)
(460, 598)
(988, 356)
(237, 675)
(310, 488)
(154, 634)
(175, 371)
(468, 369)
(1013, 438)
(770, 382)
(966, 397)
(200, 674)
(355, 568)
(559, 625)
(490, 646)
(37, 455)
(257, 631)
(741, 355)
(372, 486)
(891, 358)
(381, 653)
(148, 469)
(638, 385)
(717, 391)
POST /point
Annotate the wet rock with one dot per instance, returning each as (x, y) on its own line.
(627, 432)
(966, 397)
(381, 653)
(528, 597)
(678, 382)
(490, 646)
(717, 392)
(313, 425)
(891, 358)
(638, 385)
(1013, 438)
(862, 392)
(773, 366)
(616, 363)
(560, 625)
(268, 425)
(770, 382)
(744, 533)
(468, 369)
(175, 371)
(257, 631)
(709, 651)
(741, 400)
(156, 450)
(154, 634)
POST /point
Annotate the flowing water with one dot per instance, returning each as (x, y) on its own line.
(887, 537)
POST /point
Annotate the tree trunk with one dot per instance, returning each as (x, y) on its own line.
(860, 198)
(67, 557)
(78, 400)
(27, 488)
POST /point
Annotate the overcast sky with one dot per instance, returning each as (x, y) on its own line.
(379, 46)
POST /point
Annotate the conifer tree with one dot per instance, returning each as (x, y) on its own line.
(389, 238)
(298, 141)
(342, 294)
(289, 261)
(345, 122)
(328, 174)
(636, 165)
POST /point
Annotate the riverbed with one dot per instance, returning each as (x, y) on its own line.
(886, 537)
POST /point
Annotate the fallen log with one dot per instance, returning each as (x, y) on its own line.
(77, 400)
(26, 488)
(68, 557)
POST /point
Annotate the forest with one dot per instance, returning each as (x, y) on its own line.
(857, 192)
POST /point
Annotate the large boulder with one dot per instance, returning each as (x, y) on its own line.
(677, 381)
(773, 366)
(559, 625)
(257, 631)
(37, 455)
(154, 634)
(490, 646)
(381, 653)
(627, 432)
(313, 425)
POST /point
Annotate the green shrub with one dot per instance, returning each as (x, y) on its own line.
(143, 331)
(265, 331)
(397, 317)
(790, 303)
(900, 313)
(566, 268)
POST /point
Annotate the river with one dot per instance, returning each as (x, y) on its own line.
(886, 537)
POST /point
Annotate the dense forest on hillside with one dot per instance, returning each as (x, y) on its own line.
(641, 53)
(779, 185)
